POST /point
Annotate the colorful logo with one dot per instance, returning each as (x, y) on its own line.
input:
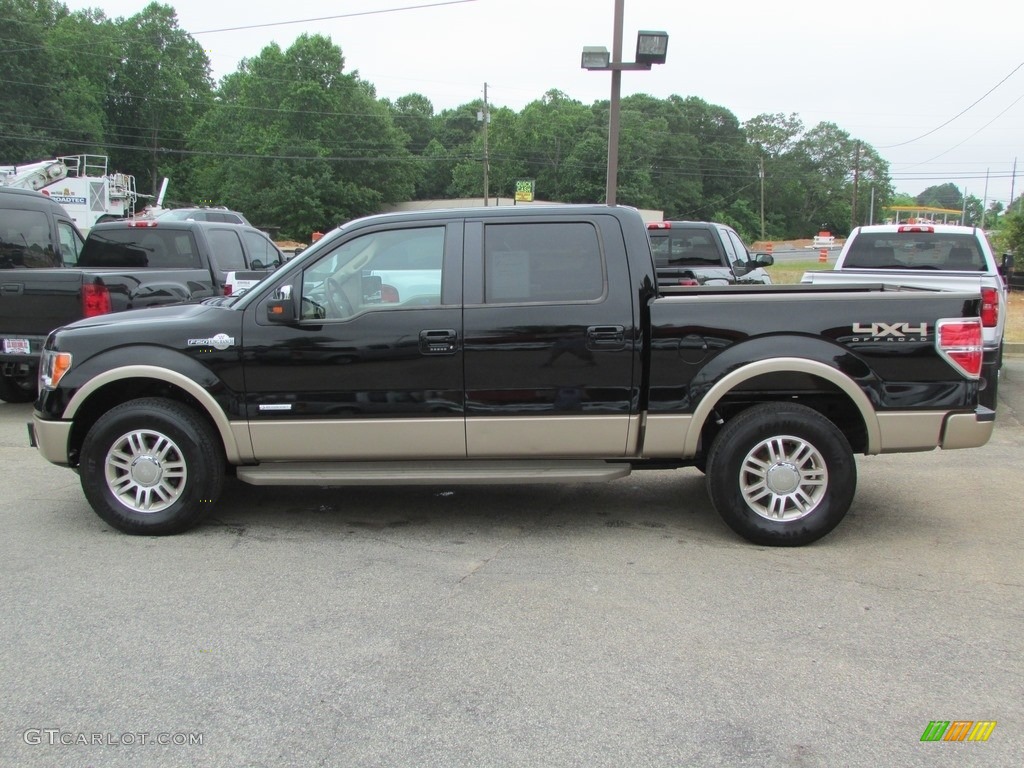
(958, 730)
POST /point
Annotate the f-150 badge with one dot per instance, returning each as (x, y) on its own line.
(221, 341)
(890, 332)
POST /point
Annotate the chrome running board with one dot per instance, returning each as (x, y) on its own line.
(431, 472)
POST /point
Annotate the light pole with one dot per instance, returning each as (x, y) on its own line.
(651, 48)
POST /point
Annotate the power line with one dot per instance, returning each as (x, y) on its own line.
(958, 114)
(332, 18)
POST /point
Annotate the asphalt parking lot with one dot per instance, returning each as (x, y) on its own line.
(609, 625)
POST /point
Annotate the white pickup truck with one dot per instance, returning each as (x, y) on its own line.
(932, 257)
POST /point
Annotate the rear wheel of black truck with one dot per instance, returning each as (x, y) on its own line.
(151, 467)
(781, 474)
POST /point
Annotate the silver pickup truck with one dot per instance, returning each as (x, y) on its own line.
(944, 257)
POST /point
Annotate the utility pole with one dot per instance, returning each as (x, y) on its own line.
(856, 179)
(1013, 183)
(762, 197)
(984, 204)
(485, 117)
(612, 183)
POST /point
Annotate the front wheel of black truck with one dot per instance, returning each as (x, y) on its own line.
(151, 467)
(781, 474)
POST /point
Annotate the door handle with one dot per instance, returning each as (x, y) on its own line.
(438, 342)
(606, 337)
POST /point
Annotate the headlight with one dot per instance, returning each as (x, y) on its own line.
(52, 367)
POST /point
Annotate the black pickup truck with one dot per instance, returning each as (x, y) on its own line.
(506, 345)
(704, 253)
(123, 265)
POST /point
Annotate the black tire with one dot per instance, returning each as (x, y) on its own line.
(781, 474)
(18, 389)
(151, 467)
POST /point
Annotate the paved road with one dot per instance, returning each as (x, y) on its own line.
(617, 625)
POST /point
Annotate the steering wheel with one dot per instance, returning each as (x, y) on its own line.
(337, 300)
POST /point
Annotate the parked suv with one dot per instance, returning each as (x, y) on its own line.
(221, 215)
(704, 253)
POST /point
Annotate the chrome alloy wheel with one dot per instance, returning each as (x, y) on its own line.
(145, 471)
(783, 478)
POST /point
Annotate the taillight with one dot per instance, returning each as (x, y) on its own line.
(959, 341)
(227, 289)
(659, 225)
(990, 307)
(388, 294)
(688, 281)
(141, 223)
(95, 300)
(915, 228)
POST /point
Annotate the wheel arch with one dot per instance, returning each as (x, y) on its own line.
(117, 385)
(733, 383)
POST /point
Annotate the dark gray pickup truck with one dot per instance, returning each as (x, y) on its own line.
(123, 265)
(508, 345)
(704, 253)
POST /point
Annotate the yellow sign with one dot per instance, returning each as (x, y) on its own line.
(524, 191)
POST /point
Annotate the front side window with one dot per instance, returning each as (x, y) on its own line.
(262, 252)
(70, 243)
(379, 270)
(558, 262)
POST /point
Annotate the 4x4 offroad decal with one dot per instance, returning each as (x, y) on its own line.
(890, 332)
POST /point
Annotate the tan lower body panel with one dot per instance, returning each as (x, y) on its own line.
(359, 439)
(554, 436)
(665, 436)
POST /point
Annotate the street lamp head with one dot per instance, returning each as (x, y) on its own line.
(651, 47)
(595, 57)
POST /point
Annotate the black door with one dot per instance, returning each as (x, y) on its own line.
(373, 367)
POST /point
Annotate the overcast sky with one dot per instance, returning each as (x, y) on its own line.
(887, 73)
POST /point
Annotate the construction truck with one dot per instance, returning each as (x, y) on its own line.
(81, 184)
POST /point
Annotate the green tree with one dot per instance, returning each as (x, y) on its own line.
(941, 196)
(159, 88)
(27, 70)
(299, 144)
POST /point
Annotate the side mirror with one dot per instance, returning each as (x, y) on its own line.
(281, 306)
(1006, 265)
(371, 286)
(764, 259)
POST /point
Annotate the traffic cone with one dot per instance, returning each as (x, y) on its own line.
(823, 256)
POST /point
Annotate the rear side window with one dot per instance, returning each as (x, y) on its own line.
(550, 263)
(25, 240)
(226, 250)
(957, 252)
(132, 248)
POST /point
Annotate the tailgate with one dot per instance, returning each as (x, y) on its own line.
(967, 282)
(34, 302)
